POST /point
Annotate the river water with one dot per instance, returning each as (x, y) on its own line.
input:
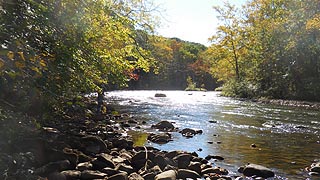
(287, 139)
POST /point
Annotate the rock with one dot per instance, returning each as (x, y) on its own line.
(166, 175)
(139, 160)
(125, 168)
(195, 166)
(149, 176)
(93, 145)
(161, 138)
(89, 174)
(84, 166)
(212, 121)
(71, 174)
(186, 173)
(53, 167)
(56, 176)
(160, 95)
(314, 174)
(119, 176)
(164, 125)
(135, 176)
(315, 167)
(183, 160)
(257, 170)
(122, 143)
(187, 132)
(103, 160)
(109, 171)
(215, 170)
(163, 161)
(214, 157)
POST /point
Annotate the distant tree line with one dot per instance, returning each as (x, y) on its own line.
(176, 61)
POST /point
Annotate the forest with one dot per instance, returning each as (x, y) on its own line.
(54, 51)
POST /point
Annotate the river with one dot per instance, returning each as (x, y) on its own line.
(287, 139)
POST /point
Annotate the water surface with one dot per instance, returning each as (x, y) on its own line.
(287, 138)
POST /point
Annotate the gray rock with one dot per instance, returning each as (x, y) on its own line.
(93, 145)
(53, 167)
(56, 176)
(160, 95)
(89, 174)
(257, 170)
(195, 166)
(214, 157)
(186, 173)
(139, 160)
(315, 167)
(135, 176)
(166, 175)
(84, 166)
(125, 168)
(149, 176)
(161, 138)
(103, 160)
(215, 170)
(119, 176)
(164, 125)
(183, 160)
(314, 174)
(71, 174)
(109, 171)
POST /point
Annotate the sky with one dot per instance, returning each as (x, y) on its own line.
(190, 20)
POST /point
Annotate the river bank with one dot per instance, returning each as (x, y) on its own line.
(83, 145)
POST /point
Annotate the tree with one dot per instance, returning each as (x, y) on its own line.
(62, 49)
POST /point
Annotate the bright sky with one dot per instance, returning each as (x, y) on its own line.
(190, 20)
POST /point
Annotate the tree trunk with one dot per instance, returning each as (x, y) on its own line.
(100, 101)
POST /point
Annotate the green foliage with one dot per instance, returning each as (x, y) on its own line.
(268, 49)
(52, 51)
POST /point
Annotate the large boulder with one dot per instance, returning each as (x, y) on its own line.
(257, 170)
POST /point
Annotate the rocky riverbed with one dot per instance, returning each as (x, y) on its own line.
(83, 145)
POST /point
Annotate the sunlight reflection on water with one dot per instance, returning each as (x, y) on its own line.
(282, 134)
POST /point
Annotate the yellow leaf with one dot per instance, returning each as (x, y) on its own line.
(20, 64)
(1, 63)
(10, 55)
(43, 63)
(35, 69)
(21, 55)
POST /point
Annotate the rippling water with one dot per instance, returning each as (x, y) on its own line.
(287, 138)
